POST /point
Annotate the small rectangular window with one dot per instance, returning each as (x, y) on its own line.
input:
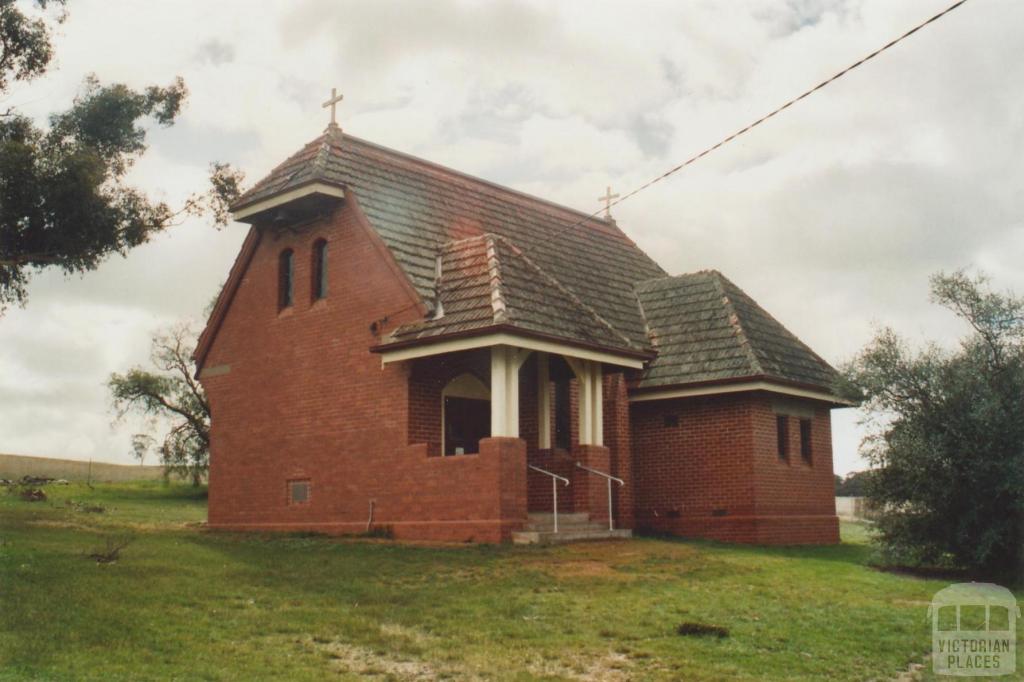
(298, 492)
(319, 269)
(782, 434)
(806, 450)
(285, 279)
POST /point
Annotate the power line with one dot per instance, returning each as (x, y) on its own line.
(756, 123)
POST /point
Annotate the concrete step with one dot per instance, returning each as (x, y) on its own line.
(563, 525)
(563, 517)
(528, 537)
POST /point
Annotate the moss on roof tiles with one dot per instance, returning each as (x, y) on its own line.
(705, 328)
(591, 284)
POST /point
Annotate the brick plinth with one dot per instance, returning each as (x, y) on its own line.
(761, 530)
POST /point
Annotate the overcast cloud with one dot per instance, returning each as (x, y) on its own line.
(832, 216)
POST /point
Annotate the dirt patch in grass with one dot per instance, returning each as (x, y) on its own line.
(612, 667)
(365, 662)
(368, 662)
(579, 568)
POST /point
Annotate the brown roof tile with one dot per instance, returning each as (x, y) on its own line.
(707, 329)
(513, 260)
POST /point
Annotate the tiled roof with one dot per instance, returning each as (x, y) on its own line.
(486, 281)
(513, 260)
(707, 329)
(417, 207)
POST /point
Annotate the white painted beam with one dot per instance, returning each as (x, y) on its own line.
(507, 339)
(782, 389)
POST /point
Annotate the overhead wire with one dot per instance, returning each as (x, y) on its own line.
(746, 129)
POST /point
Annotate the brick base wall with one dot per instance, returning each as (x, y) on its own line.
(760, 530)
(708, 467)
(466, 498)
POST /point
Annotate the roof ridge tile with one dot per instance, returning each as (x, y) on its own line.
(735, 322)
(575, 299)
(499, 307)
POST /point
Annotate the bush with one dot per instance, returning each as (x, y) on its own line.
(947, 438)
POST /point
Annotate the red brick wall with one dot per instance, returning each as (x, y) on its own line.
(588, 492)
(796, 500)
(618, 440)
(717, 473)
(305, 399)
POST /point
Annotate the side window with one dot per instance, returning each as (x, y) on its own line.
(782, 436)
(319, 269)
(806, 450)
(286, 279)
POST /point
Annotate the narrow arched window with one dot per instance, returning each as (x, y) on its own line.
(319, 269)
(286, 279)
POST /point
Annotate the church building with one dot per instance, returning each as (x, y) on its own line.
(404, 348)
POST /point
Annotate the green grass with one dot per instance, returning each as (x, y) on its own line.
(183, 603)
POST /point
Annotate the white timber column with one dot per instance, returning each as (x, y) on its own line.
(588, 374)
(505, 364)
(597, 406)
(543, 402)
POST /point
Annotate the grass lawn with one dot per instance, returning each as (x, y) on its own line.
(184, 603)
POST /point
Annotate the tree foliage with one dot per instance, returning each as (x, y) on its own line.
(64, 198)
(853, 485)
(947, 442)
(170, 392)
(25, 48)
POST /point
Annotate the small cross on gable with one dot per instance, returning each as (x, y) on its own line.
(607, 199)
(333, 104)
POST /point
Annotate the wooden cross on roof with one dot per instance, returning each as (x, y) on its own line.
(333, 104)
(607, 199)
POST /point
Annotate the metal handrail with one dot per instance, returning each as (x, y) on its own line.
(555, 478)
(610, 478)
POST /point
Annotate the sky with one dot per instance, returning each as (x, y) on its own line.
(832, 215)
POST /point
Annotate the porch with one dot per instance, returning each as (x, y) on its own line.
(547, 409)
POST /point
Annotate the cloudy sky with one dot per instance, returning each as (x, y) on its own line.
(832, 216)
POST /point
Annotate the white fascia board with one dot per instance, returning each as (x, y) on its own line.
(506, 339)
(669, 394)
(288, 197)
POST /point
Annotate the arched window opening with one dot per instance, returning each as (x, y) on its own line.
(319, 269)
(465, 415)
(286, 279)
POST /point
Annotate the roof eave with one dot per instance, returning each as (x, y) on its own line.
(246, 211)
(508, 334)
(758, 382)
